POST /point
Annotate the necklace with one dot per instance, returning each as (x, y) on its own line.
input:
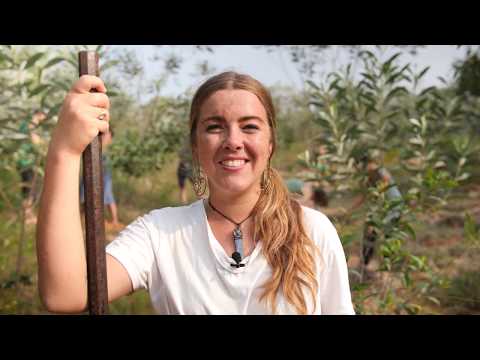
(237, 237)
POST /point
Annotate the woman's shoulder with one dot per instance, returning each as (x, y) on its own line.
(173, 216)
(320, 228)
(315, 216)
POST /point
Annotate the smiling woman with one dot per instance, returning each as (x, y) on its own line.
(246, 248)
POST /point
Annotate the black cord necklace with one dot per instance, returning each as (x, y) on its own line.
(237, 237)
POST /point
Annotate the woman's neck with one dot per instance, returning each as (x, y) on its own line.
(236, 207)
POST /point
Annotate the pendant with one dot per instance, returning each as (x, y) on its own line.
(238, 254)
(237, 239)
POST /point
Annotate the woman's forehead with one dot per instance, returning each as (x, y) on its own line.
(232, 102)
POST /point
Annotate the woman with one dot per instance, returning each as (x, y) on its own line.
(247, 248)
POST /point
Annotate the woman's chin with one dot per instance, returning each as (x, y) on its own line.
(235, 188)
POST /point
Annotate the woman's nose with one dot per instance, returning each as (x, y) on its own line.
(234, 140)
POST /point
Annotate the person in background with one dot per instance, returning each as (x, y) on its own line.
(320, 202)
(377, 176)
(296, 187)
(108, 196)
(184, 172)
(313, 196)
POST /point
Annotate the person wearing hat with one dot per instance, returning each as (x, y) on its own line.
(377, 176)
(313, 196)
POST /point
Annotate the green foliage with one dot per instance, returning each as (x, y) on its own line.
(426, 137)
(142, 147)
(138, 155)
(464, 290)
(471, 231)
(468, 75)
(383, 115)
(294, 121)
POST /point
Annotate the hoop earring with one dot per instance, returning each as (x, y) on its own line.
(199, 181)
(266, 183)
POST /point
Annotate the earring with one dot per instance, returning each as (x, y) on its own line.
(266, 183)
(199, 181)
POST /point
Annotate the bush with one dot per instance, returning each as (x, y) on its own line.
(464, 290)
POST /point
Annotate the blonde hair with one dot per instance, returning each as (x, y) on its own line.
(278, 218)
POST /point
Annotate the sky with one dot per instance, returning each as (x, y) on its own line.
(275, 67)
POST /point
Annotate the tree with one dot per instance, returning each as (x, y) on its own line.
(383, 114)
(308, 58)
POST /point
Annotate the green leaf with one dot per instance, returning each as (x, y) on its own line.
(470, 227)
(418, 262)
(392, 77)
(333, 84)
(368, 54)
(420, 103)
(405, 68)
(415, 122)
(6, 57)
(422, 73)
(38, 89)
(349, 67)
(410, 230)
(33, 59)
(391, 114)
(396, 91)
(347, 239)
(417, 141)
(62, 85)
(316, 103)
(369, 77)
(442, 79)
(386, 65)
(312, 84)
(54, 62)
(72, 62)
(108, 65)
(427, 90)
(367, 84)
(26, 84)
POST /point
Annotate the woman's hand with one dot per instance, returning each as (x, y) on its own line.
(82, 116)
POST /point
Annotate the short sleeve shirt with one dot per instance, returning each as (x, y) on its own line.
(173, 253)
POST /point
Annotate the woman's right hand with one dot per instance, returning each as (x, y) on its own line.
(78, 122)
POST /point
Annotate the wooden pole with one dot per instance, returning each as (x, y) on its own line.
(94, 207)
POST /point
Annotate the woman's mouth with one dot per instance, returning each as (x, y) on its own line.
(233, 164)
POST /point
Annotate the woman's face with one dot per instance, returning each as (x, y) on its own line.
(233, 141)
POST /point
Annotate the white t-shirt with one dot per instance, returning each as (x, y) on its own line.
(173, 253)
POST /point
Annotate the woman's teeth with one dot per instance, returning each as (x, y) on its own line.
(233, 163)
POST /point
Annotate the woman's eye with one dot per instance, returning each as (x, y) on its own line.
(213, 127)
(251, 127)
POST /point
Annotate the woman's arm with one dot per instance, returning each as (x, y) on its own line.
(62, 269)
(357, 202)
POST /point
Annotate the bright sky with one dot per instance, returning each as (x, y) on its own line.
(276, 67)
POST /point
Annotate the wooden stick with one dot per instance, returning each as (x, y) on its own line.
(94, 207)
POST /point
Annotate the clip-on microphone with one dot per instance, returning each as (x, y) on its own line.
(238, 258)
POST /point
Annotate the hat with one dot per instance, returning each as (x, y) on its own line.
(295, 186)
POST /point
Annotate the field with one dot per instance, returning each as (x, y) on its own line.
(373, 111)
(442, 241)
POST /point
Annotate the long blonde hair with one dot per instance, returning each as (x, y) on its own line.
(277, 217)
